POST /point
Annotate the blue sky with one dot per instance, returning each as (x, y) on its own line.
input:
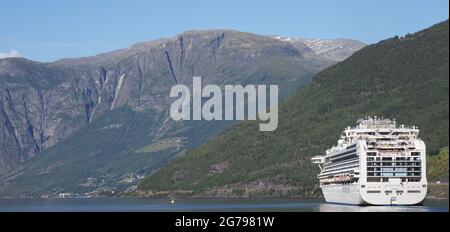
(47, 30)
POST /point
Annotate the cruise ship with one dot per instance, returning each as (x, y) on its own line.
(375, 163)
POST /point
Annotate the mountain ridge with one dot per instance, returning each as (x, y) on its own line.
(96, 97)
(402, 77)
(96, 78)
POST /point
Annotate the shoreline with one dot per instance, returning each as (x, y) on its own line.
(436, 191)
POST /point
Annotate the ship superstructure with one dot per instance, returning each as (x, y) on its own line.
(375, 163)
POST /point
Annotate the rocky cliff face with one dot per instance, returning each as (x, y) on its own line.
(39, 106)
(43, 104)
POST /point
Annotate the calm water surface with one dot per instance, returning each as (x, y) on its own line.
(243, 205)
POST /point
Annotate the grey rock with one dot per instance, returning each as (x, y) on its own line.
(43, 104)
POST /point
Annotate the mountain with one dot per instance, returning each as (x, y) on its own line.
(405, 78)
(332, 49)
(100, 123)
(39, 106)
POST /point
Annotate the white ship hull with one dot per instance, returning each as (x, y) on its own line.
(348, 194)
(389, 195)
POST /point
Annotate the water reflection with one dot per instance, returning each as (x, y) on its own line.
(203, 205)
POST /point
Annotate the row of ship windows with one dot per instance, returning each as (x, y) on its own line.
(335, 156)
(411, 164)
(343, 158)
(372, 180)
(342, 164)
(394, 169)
(396, 174)
(384, 179)
(336, 170)
(351, 146)
(400, 192)
(396, 159)
(370, 163)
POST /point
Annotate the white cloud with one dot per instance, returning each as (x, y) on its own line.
(12, 53)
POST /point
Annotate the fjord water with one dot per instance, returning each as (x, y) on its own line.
(202, 205)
